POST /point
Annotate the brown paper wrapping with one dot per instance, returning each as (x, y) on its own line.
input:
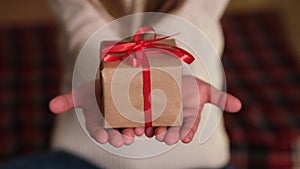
(122, 92)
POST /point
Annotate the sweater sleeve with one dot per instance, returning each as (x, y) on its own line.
(78, 20)
(206, 14)
(210, 9)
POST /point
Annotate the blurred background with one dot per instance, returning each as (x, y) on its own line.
(261, 62)
(16, 12)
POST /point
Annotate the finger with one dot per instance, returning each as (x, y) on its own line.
(96, 130)
(149, 131)
(139, 131)
(172, 135)
(190, 124)
(160, 133)
(99, 134)
(232, 104)
(61, 103)
(128, 136)
(217, 97)
(115, 138)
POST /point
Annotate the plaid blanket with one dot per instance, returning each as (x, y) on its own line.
(261, 69)
(30, 76)
(259, 65)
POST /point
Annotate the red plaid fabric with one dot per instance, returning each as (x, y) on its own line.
(30, 76)
(261, 69)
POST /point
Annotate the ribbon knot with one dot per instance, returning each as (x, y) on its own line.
(140, 45)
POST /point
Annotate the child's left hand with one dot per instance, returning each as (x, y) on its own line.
(195, 93)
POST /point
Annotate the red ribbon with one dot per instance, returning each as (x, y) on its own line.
(122, 50)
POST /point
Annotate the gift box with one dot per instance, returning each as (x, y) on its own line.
(141, 85)
(122, 91)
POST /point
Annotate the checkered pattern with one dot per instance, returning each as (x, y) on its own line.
(30, 75)
(263, 72)
(259, 65)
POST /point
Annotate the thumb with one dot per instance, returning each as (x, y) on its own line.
(223, 100)
(61, 103)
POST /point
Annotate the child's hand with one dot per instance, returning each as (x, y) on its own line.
(84, 97)
(195, 94)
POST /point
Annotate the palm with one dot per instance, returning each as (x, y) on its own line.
(195, 94)
(84, 98)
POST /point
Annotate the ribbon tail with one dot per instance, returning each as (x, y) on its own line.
(176, 52)
(146, 76)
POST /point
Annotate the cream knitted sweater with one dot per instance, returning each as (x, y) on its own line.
(79, 20)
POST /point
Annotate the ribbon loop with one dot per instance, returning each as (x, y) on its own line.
(137, 36)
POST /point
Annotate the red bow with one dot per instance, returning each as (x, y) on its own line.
(122, 50)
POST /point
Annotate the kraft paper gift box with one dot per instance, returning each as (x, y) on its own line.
(122, 91)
